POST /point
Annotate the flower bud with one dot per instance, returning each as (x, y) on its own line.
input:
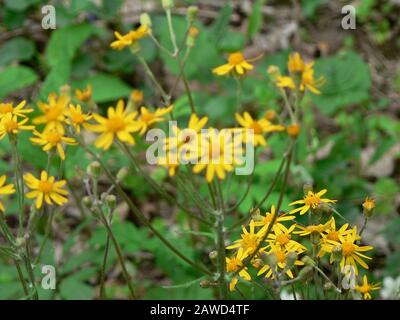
(270, 115)
(213, 256)
(368, 207)
(167, 4)
(257, 263)
(192, 13)
(20, 242)
(205, 284)
(192, 35)
(308, 261)
(337, 253)
(307, 188)
(145, 20)
(122, 173)
(87, 202)
(111, 201)
(93, 169)
(291, 258)
(136, 96)
(293, 130)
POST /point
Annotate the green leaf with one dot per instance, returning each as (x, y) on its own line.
(105, 87)
(256, 19)
(221, 24)
(64, 42)
(382, 148)
(347, 82)
(16, 49)
(19, 5)
(57, 77)
(73, 289)
(15, 78)
(310, 6)
(232, 41)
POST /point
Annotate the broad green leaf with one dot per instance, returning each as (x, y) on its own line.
(256, 19)
(20, 5)
(73, 289)
(220, 25)
(57, 77)
(16, 49)
(15, 78)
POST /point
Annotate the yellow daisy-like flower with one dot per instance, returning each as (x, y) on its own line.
(309, 82)
(311, 201)
(330, 233)
(219, 153)
(9, 125)
(259, 127)
(312, 229)
(5, 189)
(147, 118)
(130, 38)
(8, 108)
(235, 263)
(296, 63)
(53, 112)
(85, 94)
(285, 82)
(76, 117)
(249, 239)
(282, 237)
(52, 139)
(366, 288)
(369, 204)
(281, 259)
(136, 96)
(46, 189)
(262, 221)
(119, 123)
(351, 252)
(237, 65)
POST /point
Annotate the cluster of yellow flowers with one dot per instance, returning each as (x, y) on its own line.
(275, 253)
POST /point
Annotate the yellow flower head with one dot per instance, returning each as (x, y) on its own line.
(259, 127)
(369, 204)
(309, 82)
(311, 201)
(46, 189)
(285, 82)
(147, 118)
(351, 252)
(136, 96)
(76, 117)
(249, 239)
(9, 125)
(53, 112)
(119, 124)
(8, 108)
(219, 152)
(237, 65)
(296, 63)
(312, 229)
(235, 263)
(85, 94)
(130, 38)
(282, 237)
(5, 189)
(267, 219)
(366, 288)
(52, 139)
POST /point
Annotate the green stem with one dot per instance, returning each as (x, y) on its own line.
(221, 243)
(171, 31)
(19, 182)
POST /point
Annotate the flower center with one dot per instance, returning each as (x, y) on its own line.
(280, 256)
(267, 219)
(249, 241)
(10, 125)
(235, 58)
(312, 200)
(54, 113)
(256, 127)
(283, 239)
(77, 118)
(116, 124)
(233, 265)
(333, 235)
(347, 249)
(6, 108)
(147, 117)
(364, 288)
(45, 186)
(53, 137)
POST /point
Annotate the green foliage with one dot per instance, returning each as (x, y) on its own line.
(15, 78)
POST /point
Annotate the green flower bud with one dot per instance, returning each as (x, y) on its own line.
(308, 261)
(291, 258)
(94, 169)
(167, 4)
(122, 173)
(192, 13)
(87, 202)
(20, 242)
(111, 201)
(213, 256)
(145, 20)
(305, 273)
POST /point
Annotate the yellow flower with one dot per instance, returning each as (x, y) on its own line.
(235, 263)
(147, 118)
(219, 153)
(281, 260)
(311, 201)
(5, 189)
(282, 237)
(330, 233)
(249, 239)
(366, 288)
(259, 127)
(296, 63)
(46, 189)
(351, 252)
(119, 124)
(309, 82)
(76, 117)
(285, 82)
(9, 125)
(171, 162)
(369, 204)
(85, 94)
(53, 112)
(52, 139)
(237, 65)
(293, 130)
(267, 219)
(130, 38)
(8, 107)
